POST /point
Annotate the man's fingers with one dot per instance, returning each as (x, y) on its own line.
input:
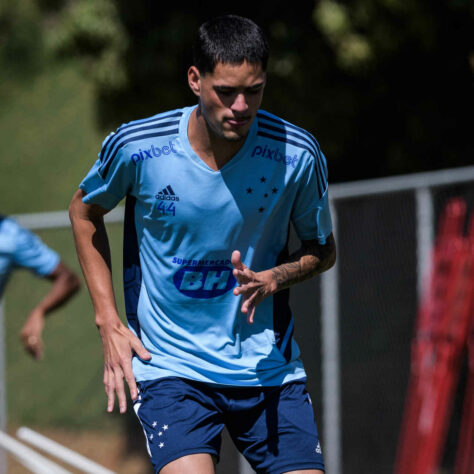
(251, 314)
(249, 306)
(33, 345)
(243, 276)
(132, 385)
(236, 260)
(249, 302)
(109, 384)
(248, 288)
(141, 352)
(37, 351)
(120, 390)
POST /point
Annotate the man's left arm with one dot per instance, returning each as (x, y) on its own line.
(310, 260)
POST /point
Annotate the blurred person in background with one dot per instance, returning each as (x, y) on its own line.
(210, 193)
(20, 248)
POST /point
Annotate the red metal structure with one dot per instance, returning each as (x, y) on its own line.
(444, 319)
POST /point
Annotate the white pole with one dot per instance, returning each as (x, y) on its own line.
(424, 236)
(330, 365)
(3, 385)
(59, 451)
(30, 459)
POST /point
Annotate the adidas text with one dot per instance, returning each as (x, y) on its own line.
(163, 197)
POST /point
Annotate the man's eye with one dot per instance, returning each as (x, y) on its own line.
(225, 92)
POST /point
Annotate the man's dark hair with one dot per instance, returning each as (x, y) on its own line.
(229, 39)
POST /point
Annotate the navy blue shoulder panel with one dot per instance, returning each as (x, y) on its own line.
(274, 128)
(141, 129)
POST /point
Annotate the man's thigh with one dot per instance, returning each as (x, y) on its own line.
(277, 432)
(178, 421)
(191, 464)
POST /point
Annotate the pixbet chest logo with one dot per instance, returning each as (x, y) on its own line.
(203, 279)
(152, 152)
(275, 155)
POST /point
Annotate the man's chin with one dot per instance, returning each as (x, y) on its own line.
(233, 136)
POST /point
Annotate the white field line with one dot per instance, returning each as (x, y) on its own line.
(33, 461)
(61, 452)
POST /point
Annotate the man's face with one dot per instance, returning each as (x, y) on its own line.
(229, 97)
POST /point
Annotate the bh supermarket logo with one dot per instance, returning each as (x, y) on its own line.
(204, 282)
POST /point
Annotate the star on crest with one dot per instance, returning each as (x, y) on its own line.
(165, 427)
(274, 190)
(261, 209)
(161, 445)
(154, 424)
(263, 179)
(249, 190)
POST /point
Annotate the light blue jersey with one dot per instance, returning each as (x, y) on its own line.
(21, 248)
(182, 222)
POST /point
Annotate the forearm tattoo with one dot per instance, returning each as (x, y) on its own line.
(288, 274)
(304, 264)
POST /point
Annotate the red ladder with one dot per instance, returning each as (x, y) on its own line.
(437, 348)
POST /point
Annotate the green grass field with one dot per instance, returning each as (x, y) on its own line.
(49, 125)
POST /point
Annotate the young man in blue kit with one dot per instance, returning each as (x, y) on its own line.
(210, 193)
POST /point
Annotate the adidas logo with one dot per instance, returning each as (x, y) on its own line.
(167, 194)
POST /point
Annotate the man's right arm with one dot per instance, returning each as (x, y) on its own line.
(118, 342)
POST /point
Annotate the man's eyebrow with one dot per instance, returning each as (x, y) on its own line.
(257, 86)
(231, 88)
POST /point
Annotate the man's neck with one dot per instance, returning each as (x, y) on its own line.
(214, 150)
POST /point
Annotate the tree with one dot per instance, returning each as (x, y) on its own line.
(384, 85)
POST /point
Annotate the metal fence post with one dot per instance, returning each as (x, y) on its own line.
(3, 385)
(424, 235)
(330, 365)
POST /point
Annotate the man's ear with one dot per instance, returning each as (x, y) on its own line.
(194, 80)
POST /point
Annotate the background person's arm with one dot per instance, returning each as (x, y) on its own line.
(311, 259)
(65, 283)
(118, 342)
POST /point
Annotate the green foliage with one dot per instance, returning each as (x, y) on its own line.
(352, 49)
(92, 30)
(21, 45)
(379, 81)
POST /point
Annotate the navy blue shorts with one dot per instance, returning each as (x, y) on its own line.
(273, 427)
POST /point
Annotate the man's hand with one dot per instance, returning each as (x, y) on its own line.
(253, 286)
(311, 259)
(30, 334)
(119, 344)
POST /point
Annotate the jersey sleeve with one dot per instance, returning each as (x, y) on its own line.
(111, 177)
(31, 253)
(311, 216)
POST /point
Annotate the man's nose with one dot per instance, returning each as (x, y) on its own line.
(240, 104)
